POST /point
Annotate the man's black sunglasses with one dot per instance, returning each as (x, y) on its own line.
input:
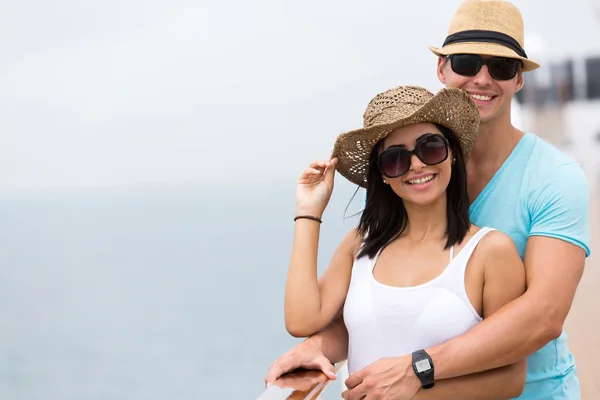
(500, 68)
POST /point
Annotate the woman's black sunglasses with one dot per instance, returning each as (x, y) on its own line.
(500, 68)
(395, 161)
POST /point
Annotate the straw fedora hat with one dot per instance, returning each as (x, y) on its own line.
(487, 27)
(398, 107)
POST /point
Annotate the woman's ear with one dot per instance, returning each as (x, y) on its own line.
(383, 178)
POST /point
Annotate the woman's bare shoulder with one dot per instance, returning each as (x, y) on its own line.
(472, 231)
(353, 241)
(496, 242)
(497, 255)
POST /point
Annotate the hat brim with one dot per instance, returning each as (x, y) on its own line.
(450, 107)
(486, 49)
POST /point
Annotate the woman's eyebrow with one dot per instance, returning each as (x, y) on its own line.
(403, 146)
(427, 134)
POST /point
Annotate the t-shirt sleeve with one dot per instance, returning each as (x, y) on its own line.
(560, 206)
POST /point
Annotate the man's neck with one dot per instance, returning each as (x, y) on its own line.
(494, 144)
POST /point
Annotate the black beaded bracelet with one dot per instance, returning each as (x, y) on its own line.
(308, 217)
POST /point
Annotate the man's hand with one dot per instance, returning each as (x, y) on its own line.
(385, 379)
(305, 355)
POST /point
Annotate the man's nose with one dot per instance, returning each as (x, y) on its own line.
(483, 77)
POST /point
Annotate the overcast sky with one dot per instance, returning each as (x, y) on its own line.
(130, 91)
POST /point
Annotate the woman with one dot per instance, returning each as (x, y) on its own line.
(414, 272)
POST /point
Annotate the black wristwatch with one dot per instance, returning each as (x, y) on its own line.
(423, 367)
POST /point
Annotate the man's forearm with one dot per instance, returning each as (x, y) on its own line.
(509, 335)
(501, 384)
(333, 340)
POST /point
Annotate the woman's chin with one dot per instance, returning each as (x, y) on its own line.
(423, 199)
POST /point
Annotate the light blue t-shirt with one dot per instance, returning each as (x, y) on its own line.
(539, 191)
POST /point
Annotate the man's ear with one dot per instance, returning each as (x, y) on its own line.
(520, 80)
(441, 64)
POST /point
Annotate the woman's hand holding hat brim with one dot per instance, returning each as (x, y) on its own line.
(314, 188)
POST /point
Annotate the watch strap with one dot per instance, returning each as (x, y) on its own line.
(423, 367)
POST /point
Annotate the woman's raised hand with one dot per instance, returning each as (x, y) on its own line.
(315, 187)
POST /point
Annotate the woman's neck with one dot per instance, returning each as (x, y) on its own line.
(426, 223)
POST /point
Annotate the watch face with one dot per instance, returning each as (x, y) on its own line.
(423, 365)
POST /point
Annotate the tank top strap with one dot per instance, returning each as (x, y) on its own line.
(362, 266)
(453, 277)
(462, 258)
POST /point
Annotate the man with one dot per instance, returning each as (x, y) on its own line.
(518, 184)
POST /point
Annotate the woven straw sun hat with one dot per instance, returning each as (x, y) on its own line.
(398, 107)
(487, 27)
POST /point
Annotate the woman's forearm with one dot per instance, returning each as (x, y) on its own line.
(498, 384)
(302, 295)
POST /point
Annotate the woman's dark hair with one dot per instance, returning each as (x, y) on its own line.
(384, 218)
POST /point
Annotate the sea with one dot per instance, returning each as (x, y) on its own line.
(150, 292)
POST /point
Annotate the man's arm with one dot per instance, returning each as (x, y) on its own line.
(498, 384)
(554, 268)
(554, 260)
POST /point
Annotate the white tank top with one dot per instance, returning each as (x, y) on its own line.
(388, 321)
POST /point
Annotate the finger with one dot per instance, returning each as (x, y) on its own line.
(311, 176)
(358, 393)
(331, 164)
(330, 174)
(354, 380)
(313, 171)
(272, 375)
(276, 371)
(327, 368)
(318, 164)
